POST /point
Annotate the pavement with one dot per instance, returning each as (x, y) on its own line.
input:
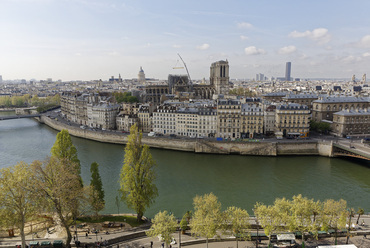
(135, 239)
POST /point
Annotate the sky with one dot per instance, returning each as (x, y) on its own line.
(97, 39)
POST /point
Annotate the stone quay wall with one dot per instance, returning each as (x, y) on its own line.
(274, 148)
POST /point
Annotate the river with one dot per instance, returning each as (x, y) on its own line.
(236, 180)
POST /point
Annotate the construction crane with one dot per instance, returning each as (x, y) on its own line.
(187, 71)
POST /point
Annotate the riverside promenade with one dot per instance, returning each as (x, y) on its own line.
(136, 238)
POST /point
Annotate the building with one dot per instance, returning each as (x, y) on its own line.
(141, 76)
(324, 107)
(251, 119)
(274, 96)
(125, 121)
(104, 115)
(351, 122)
(292, 120)
(187, 121)
(269, 120)
(164, 119)
(207, 121)
(288, 68)
(181, 84)
(145, 117)
(1, 79)
(303, 99)
(228, 118)
(219, 77)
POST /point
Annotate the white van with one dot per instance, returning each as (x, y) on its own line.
(151, 134)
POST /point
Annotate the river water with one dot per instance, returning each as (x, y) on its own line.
(236, 180)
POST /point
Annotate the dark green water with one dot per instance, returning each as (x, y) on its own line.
(236, 180)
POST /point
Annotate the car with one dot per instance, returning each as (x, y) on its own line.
(172, 135)
(151, 134)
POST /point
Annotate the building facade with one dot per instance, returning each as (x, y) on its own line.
(351, 122)
(324, 107)
(228, 118)
(292, 120)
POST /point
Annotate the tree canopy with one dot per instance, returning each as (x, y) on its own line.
(125, 97)
(17, 201)
(207, 216)
(57, 182)
(164, 225)
(96, 191)
(138, 175)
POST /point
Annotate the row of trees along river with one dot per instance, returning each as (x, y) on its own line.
(241, 181)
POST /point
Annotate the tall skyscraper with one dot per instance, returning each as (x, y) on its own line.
(1, 79)
(288, 68)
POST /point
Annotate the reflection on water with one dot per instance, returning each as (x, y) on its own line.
(236, 180)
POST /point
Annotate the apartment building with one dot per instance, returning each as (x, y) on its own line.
(228, 114)
(251, 119)
(164, 119)
(207, 121)
(292, 120)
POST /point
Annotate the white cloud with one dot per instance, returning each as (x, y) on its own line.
(244, 25)
(351, 59)
(366, 55)
(319, 35)
(243, 37)
(287, 50)
(252, 50)
(176, 46)
(205, 46)
(365, 41)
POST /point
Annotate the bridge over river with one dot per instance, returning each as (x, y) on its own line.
(10, 117)
(351, 149)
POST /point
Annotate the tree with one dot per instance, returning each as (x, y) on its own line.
(97, 192)
(16, 200)
(236, 223)
(360, 212)
(334, 215)
(266, 216)
(57, 182)
(206, 217)
(302, 209)
(164, 225)
(138, 175)
(63, 148)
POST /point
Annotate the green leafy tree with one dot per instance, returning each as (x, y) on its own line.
(236, 223)
(125, 97)
(97, 192)
(267, 217)
(17, 201)
(57, 183)
(164, 225)
(63, 147)
(334, 215)
(184, 224)
(138, 175)
(301, 213)
(207, 216)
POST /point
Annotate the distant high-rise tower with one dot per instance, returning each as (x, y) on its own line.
(1, 79)
(141, 76)
(219, 76)
(287, 71)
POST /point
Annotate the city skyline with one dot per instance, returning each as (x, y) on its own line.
(86, 40)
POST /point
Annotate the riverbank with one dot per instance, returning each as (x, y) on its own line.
(266, 148)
